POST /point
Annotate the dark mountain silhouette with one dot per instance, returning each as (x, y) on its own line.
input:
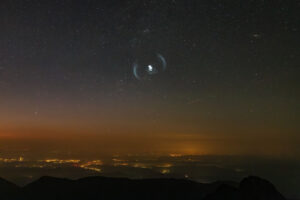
(250, 188)
(10, 191)
(50, 188)
(257, 188)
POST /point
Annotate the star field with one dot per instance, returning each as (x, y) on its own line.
(232, 68)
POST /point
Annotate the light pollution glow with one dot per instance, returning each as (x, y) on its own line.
(84, 144)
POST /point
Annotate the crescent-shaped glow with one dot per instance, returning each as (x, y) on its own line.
(163, 60)
(149, 69)
(135, 73)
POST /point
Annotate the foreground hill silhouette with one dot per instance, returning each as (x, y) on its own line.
(50, 188)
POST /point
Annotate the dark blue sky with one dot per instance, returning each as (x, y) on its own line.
(232, 70)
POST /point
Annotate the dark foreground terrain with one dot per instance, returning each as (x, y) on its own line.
(46, 188)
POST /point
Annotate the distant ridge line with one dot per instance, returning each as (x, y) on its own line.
(99, 187)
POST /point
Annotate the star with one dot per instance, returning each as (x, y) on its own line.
(150, 68)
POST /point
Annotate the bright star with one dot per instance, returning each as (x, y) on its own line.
(150, 68)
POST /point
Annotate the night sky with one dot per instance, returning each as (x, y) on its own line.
(223, 76)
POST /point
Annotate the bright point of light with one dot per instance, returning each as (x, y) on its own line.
(165, 171)
(150, 68)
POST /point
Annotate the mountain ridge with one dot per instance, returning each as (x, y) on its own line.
(98, 187)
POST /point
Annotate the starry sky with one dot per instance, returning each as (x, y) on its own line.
(230, 83)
